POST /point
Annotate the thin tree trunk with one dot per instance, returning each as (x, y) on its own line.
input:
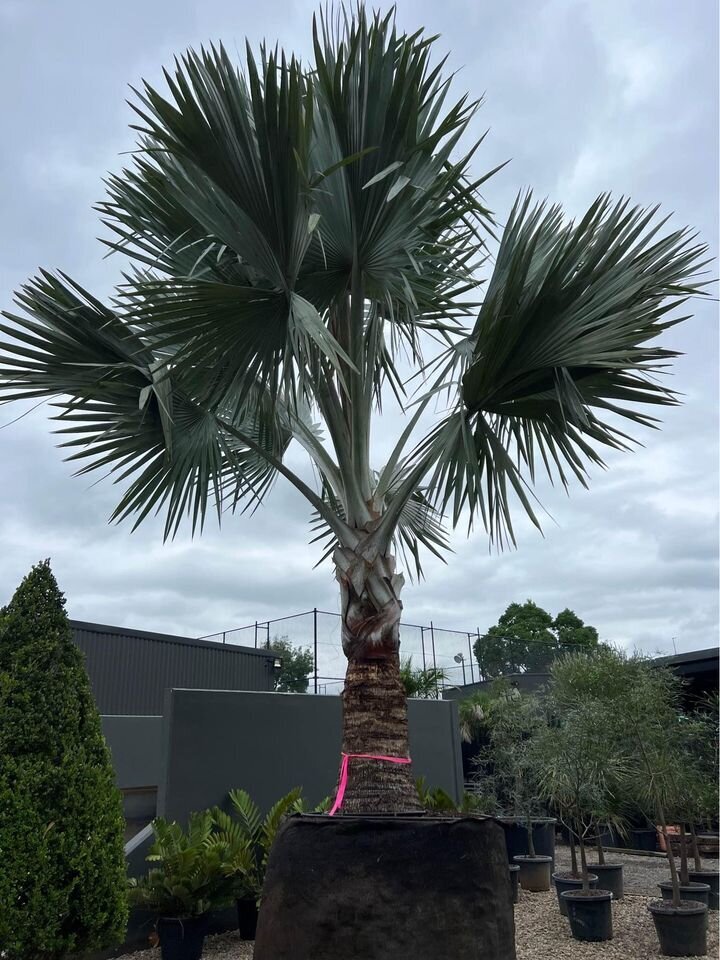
(671, 858)
(695, 847)
(573, 855)
(531, 842)
(684, 875)
(584, 867)
(374, 702)
(600, 851)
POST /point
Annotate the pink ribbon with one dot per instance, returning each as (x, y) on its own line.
(346, 757)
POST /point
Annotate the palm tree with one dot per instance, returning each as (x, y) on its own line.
(298, 237)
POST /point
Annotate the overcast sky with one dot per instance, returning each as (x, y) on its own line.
(583, 97)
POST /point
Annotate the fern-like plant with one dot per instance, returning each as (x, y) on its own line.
(190, 874)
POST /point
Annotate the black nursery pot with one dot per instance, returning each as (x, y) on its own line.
(712, 878)
(247, 914)
(699, 892)
(590, 914)
(515, 882)
(682, 931)
(534, 872)
(610, 877)
(516, 839)
(182, 939)
(644, 838)
(565, 881)
(363, 888)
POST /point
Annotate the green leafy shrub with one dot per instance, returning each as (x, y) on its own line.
(62, 867)
(189, 876)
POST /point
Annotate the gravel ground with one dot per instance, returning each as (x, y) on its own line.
(641, 875)
(541, 934)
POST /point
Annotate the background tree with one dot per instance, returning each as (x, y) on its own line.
(298, 664)
(62, 881)
(296, 232)
(527, 638)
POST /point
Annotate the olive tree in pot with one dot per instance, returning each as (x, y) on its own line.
(580, 769)
(702, 789)
(658, 732)
(186, 880)
(297, 231)
(508, 776)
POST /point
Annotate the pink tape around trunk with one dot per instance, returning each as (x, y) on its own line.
(346, 757)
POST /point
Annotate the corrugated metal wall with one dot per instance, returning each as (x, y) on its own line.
(131, 669)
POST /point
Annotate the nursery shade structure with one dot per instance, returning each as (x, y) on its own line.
(297, 235)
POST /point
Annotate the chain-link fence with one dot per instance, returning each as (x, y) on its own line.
(461, 656)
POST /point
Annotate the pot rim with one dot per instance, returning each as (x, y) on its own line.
(565, 876)
(692, 885)
(666, 907)
(605, 866)
(595, 896)
(526, 858)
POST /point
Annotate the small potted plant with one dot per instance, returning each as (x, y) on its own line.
(186, 880)
(610, 872)
(579, 768)
(246, 838)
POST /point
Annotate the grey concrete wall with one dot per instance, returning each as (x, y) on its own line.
(136, 747)
(268, 743)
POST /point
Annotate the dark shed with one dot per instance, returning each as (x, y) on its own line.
(131, 669)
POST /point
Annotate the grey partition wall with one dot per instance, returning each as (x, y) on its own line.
(268, 743)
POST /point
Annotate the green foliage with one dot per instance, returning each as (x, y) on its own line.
(297, 665)
(62, 872)
(527, 638)
(437, 800)
(509, 766)
(247, 838)
(422, 684)
(189, 875)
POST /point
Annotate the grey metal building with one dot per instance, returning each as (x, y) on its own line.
(130, 670)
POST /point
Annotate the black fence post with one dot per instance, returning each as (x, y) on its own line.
(256, 634)
(470, 657)
(315, 648)
(432, 641)
(481, 659)
(422, 644)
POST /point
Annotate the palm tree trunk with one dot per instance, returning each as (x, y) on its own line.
(374, 702)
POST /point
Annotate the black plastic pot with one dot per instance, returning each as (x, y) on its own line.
(516, 839)
(514, 882)
(182, 939)
(610, 877)
(590, 914)
(712, 878)
(363, 888)
(247, 914)
(566, 881)
(644, 838)
(534, 872)
(688, 891)
(682, 931)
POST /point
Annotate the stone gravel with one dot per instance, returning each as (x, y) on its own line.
(541, 934)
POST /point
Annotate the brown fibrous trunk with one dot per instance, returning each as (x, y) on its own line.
(374, 702)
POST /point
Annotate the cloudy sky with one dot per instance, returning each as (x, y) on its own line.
(583, 97)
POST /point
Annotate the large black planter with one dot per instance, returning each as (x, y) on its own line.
(369, 888)
(182, 939)
(590, 914)
(699, 892)
(534, 872)
(610, 877)
(712, 878)
(515, 882)
(566, 881)
(247, 914)
(644, 838)
(682, 931)
(516, 839)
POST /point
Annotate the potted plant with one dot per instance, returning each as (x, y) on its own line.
(580, 767)
(246, 838)
(653, 717)
(186, 881)
(703, 793)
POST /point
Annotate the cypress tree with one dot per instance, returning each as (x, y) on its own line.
(62, 869)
